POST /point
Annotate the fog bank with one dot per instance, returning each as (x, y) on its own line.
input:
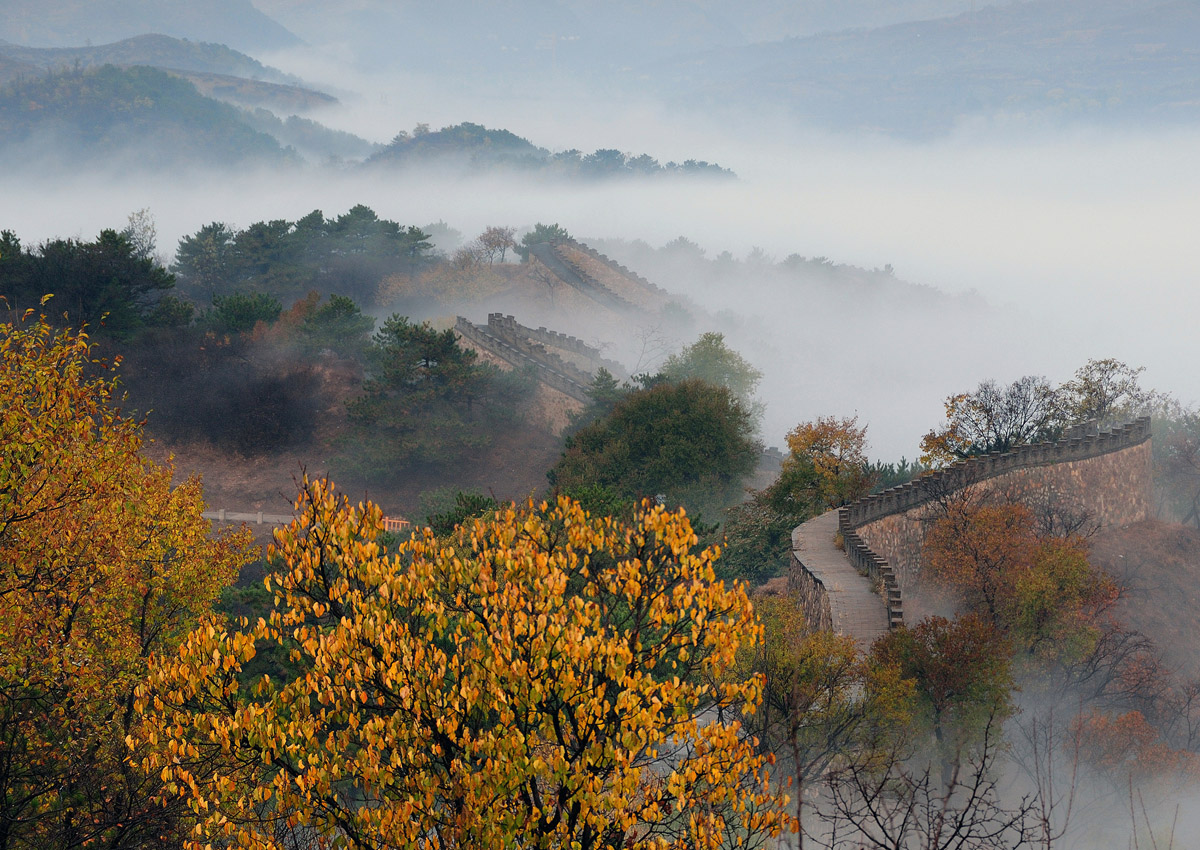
(1080, 243)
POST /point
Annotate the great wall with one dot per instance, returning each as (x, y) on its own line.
(563, 365)
(858, 589)
(559, 361)
(852, 568)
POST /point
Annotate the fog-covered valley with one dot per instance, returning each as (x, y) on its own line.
(1049, 251)
(717, 227)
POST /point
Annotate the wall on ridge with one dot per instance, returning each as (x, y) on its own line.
(1108, 475)
(517, 358)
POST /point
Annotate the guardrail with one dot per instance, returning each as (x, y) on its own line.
(394, 524)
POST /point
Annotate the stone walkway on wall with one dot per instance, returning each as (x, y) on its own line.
(857, 610)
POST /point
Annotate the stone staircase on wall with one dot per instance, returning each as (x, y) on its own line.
(598, 277)
(575, 278)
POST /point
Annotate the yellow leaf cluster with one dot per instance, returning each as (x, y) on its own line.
(836, 451)
(102, 564)
(543, 678)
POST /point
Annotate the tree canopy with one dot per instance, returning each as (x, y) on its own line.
(107, 284)
(536, 680)
(997, 418)
(348, 255)
(102, 564)
(710, 359)
(426, 400)
(994, 418)
(835, 452)
(691, 442)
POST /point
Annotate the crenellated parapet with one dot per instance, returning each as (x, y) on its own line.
(973, 470)
(581, 361)
(564, 363)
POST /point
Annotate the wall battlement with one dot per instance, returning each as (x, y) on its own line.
(508, 326)
(974, 470)
(555, 375)
(538, 342)
(618, 268)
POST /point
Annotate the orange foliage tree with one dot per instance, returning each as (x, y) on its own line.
(960, 672)
(835, 450)
(543, 678)
(1127, 748)
(1037, 589)
(102, 564)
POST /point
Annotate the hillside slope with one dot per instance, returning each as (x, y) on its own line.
(160, 51)
(111, 116)
(1159, 564)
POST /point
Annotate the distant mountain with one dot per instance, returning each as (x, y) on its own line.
(585, 37)
(474, 147)
(58, 23)
(128, 117)
(1097, 60)
(159, 51)
(216, 70)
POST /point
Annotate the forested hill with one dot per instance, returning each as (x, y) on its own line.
(148, 118)
(476, 147)
(160, 51)
(70, 22)
(11, 68)
(108, 115)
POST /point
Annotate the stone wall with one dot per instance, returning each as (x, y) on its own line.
(612, 277)
(543, 254)
(573, 385)
(814, 595)
(586, 358)
(620, 269)
(1107, 475)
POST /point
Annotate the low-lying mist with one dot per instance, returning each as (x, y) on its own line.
(1048, 250)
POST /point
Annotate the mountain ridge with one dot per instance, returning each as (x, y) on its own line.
(58, 23)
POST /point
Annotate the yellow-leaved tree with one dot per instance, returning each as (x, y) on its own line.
(542, 678)
(102, 563)
(833, 453)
